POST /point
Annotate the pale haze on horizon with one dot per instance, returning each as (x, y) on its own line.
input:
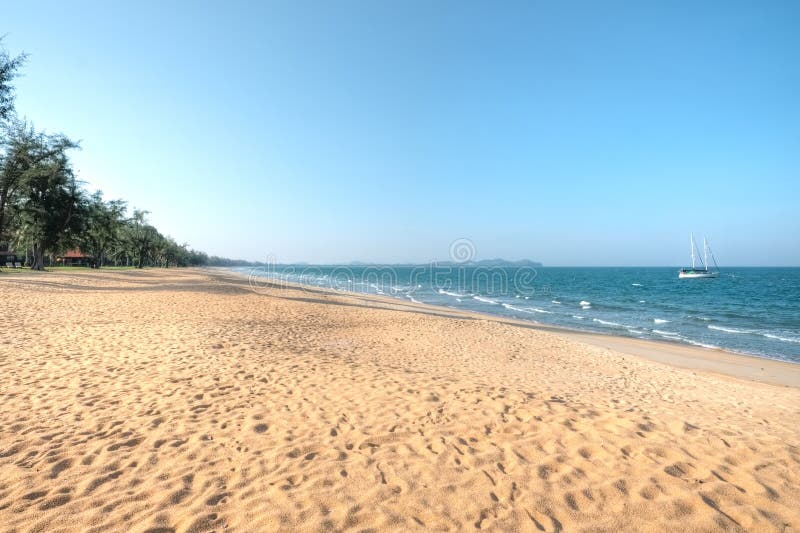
(574, 133)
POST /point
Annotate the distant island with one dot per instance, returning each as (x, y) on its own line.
(495, 262)
(482, 262)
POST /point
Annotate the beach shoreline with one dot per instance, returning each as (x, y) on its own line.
(714, 360)
(188, 400)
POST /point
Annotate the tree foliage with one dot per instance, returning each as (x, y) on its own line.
(49, 207)
(44, 210)
(9, 69)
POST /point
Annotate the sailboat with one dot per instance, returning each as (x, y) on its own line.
(695, 272)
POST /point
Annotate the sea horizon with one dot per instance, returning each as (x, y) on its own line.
(438, 262)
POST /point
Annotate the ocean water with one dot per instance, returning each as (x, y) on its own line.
(754, 311)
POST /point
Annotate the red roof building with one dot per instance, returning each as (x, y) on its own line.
(75, 258)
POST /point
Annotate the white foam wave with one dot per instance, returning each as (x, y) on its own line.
(555, 301)
(448, 293)
(779, 338)
(578, 317)
(642, 301)
(526, 309)
(515, 308)
(584, 302)
(701, 344)
(670, 334)
(607, 323)
(586, 307)
(660, 321)
(485, 300)
(413, 299)
(726, 330)
(378, 290)
(636, 284)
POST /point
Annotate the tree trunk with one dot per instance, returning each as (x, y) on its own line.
(38, 257)
(3, 201)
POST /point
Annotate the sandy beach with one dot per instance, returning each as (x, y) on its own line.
(188, 400)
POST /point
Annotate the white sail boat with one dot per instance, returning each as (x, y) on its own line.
(695, 272)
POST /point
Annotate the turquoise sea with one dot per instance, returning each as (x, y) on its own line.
(748, 310)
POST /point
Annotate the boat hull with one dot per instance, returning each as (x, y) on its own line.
(695, 274)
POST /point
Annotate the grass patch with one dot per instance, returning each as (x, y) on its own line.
(6, 270)
(86, 269)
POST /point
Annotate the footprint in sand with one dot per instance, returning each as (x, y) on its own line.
(127, 444)
(217, 498)
(57, 501)
(60, 467)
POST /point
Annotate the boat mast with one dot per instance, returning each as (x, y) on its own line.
(691, 244)
(713, 259)
(705, 252)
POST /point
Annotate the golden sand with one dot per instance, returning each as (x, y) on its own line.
(186, 401)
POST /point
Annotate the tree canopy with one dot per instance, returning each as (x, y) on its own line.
(45, 211)
(9, 69)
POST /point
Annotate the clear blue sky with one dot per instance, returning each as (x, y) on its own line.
(586, 133)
